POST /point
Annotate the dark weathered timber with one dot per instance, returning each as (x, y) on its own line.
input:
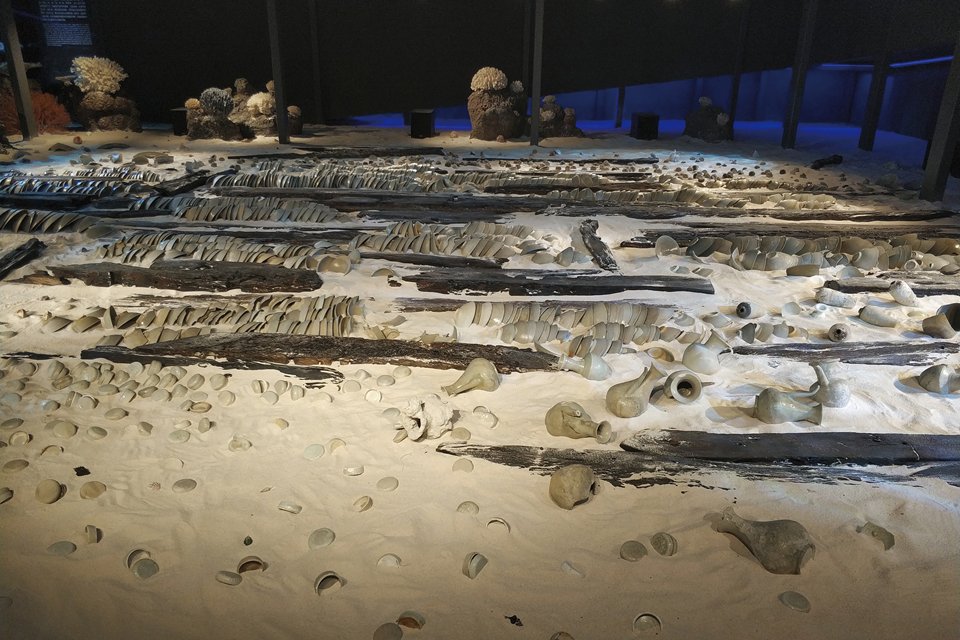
(47, 201)
(385, 201)
(318, 151)
(409, 305)
(687, 232)
(261, 233)
(581, 162)
(817, 448)
(317, 376)
(312, 350)
(185, 183)
(433, 260)
(122, 214)
(460, 215)
(597, 247)
(923, 284)
(622, 468)
(529, 282)
(385, 204)
(193, 275)
(906, 354)
(672, 211)
(19, 256)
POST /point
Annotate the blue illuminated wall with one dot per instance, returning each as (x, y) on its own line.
(834, 94)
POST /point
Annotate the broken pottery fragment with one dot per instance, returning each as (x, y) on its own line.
(572, 485)
(940, 378)
(877, 532)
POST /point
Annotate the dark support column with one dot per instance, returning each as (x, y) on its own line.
(525, 43)
(621, 98)
(315, 53)
(799, 77)
(871, 115)
(878, 83)
(537, 73)
(738, 63)
(18, 75)
(946, 134)
(283, 125)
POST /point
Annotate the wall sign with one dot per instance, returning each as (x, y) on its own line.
(65, 23)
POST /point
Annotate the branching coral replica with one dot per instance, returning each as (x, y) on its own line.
(97, 74)
(496, 107)
(99, 79)
(50, 115)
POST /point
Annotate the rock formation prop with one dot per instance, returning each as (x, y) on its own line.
(556, 121)
(208, 115)
(496, 106)
(100, 108)
(238, 113)
(708, 122)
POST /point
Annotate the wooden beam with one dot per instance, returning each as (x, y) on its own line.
(626, 468)
(902, 354)
(193, 275)
(798, 77)
(537, 72)
(842, 447)
(434, 260)
(597, 247)
(316, 376)
(526, 45)
(946, 134)
(20, 255)
(17, 70)
(324, 350)
(922, 283)
(276, 64)
(738, 63)
(532, 282)
(314, 17)
(878, 83)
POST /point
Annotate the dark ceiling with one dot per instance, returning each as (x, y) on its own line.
(394, 55)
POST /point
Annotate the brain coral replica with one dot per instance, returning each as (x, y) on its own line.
(488, 79)
(97, 74)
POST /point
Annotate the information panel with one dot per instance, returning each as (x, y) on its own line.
(65, 23)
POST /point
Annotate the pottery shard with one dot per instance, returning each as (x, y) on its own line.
(572, 485)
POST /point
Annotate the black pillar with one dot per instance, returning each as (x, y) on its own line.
(946, 134)
(537, 73)
(621, 98)
(315, 52)
(283, 124)
(738, 63)
(525, 43)
(878, 83)
(871, 115)
(18, 73)
(798, 78)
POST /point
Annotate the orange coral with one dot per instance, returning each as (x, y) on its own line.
(50, 115)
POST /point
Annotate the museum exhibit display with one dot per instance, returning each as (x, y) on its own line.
(566, 319)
